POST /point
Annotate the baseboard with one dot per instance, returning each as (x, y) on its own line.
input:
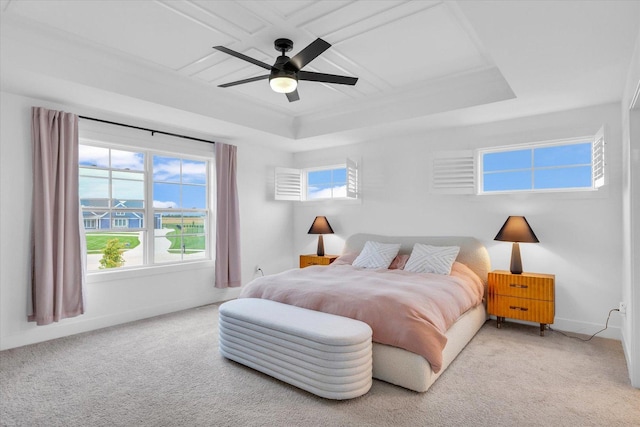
(587, 328)
(577, 327)
(33, 334)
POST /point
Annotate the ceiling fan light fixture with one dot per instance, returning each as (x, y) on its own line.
(283, 84)
(285, 72)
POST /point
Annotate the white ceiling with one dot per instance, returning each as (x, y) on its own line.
(420, 64)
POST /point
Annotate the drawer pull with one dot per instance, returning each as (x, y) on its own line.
(516, 285)
(513, 307)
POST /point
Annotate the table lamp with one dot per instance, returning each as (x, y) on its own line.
(516, 229)
(320, 226)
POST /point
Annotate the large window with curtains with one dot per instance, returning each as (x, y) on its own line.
(142, 207)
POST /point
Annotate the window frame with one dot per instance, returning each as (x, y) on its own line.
(592, 140)
(208, 203)
(117, 142)
(331, 168)
(461, 171)
(292, 183)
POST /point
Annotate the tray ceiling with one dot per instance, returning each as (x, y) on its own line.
(413, 58)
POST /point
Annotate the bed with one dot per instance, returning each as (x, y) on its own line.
(438, 339)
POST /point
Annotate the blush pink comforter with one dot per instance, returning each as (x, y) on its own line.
(407, 310)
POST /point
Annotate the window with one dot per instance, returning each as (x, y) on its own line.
(568, 165)
(120, 189)
(179, 208)
(326, 183)
(322, 183)
(120, 223)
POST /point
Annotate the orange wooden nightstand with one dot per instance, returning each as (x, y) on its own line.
(307, 260)
(526, 296)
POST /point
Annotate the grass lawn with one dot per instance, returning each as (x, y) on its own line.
(191, 243)
(96, 242)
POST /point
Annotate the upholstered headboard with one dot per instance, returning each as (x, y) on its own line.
(472, 252)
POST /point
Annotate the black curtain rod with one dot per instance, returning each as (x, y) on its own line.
(153, 131)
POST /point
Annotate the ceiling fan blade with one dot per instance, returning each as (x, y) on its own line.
(249, 80)
(327, 78)
(309, 53)
(243, 57)
(293, 96)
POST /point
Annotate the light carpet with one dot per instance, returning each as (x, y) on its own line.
(166, 371)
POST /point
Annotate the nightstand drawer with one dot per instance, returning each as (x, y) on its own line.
(526, 285)
(522, 308)
(308, 260)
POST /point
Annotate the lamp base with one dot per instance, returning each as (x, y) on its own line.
(320, 251)
(516, 261)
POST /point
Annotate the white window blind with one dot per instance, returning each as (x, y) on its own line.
(352, 179)
(454, 172)
(288, 184)
(598, 160)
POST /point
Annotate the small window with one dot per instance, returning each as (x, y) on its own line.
(120, 223)
(329, 182)
(568, 165)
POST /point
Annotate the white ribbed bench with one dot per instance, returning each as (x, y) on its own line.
(324, 354)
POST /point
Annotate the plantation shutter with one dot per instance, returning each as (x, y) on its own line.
(352, 179)
(598, 162)
(288, 184)
(454, 172)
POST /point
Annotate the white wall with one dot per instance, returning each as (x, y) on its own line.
(631, 211)
(122, 297)
(579, 233)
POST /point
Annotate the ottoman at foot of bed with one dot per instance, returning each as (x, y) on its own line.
(324, 354)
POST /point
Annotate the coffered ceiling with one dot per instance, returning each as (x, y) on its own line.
(419, 63)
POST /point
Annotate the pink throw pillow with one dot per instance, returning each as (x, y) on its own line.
(399, 262)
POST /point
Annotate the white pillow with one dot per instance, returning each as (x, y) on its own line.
(432, 259)
(377, 255)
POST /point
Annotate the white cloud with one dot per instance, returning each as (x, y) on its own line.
(98, 156)
(327, 193)
(165, 169)
(164, 205)
(127, 160)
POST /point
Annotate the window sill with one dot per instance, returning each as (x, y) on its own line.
(357, 201)
(147, 271)
(587, 193)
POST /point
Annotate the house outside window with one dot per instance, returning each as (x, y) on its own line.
(119, 189)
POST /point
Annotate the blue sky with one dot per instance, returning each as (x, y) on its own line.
(560, 166)
(177, 183)
(327, 183)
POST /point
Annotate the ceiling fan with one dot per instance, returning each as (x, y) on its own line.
(285, 73)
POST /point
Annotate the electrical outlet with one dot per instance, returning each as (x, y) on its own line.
(623, 308)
